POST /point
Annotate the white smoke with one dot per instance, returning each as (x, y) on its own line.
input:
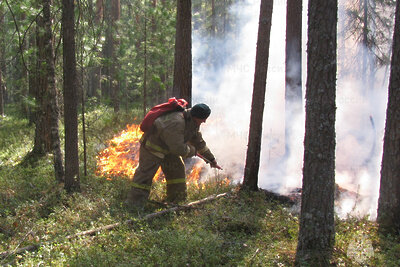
(227, 89)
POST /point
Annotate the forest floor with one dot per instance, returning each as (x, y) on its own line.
(42, 225)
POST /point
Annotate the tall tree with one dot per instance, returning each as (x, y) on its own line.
(42, 142)
(116, 14)
(145, 62)
(317, 230)
(110, 86)
(293, 94)
(52, 93)
(183, 51)
(257, 107)
(94, 79)
(389, 193)
(2, 32)
(72, 180)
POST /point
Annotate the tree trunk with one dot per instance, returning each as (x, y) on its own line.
(22, 72)
(115, 86)
(52, 93)
(107, 51)
(317, 230)
(293, 94)
(389, 194)
(257, 107)
(365, 46)
(1, 61)
(213, 29)
(95, 68)
(99, 10)
(145, 63)
(1, 94)
(42, 144)
(33, 74)
(72, 181)
(182, 86)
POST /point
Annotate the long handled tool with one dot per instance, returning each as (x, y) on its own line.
(207, 160)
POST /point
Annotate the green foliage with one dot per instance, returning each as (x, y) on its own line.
(371, 24)
(15, 139)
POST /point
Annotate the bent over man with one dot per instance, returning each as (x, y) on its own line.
(173, 137)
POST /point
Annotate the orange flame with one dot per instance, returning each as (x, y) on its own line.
(121, 158)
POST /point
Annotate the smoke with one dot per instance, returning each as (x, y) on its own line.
(227, 88)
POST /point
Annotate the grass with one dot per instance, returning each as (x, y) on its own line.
(244, 229)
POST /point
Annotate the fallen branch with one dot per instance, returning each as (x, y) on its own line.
(94, 231)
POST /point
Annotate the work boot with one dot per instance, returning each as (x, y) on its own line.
(176, 193)
(136, 199)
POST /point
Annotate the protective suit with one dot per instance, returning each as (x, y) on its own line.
(173, 137)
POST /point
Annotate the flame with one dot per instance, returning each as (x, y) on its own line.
(121, 158)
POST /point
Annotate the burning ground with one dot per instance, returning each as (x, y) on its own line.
(121, 158)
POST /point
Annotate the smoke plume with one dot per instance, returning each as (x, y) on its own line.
(226, 85)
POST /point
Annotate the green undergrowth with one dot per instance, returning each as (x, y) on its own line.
(239, 229)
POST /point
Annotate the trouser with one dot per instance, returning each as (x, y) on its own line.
(173, 169)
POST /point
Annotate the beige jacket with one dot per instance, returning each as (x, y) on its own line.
(176, 133)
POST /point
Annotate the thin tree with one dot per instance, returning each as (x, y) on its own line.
(1, 62)
(389, 193)
(293, 93)
(317, 230)
(52, 93)
(2, 32)
(182, 85)
(1, 95)
(250, 180)
(72, 180)
(115, 87)
(145, 62)
(95, 85)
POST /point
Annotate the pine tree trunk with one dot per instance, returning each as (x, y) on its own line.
(389, 194)
(52, 93)
(317, 230)
(257, 107)
(145, 64)
(293, 51)
(293, 92)
(1, 61)
(32, 77)
(1, 94)
(115, 86)
(182, 87)
(95, 68)
(72, 180)
(42, 144)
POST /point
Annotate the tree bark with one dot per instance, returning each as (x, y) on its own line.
(293, 92)
(1, 95)
(389, 193)
(72, 180)
(1, 61)
(257, 107)
(317, 230)
(182, 86)
(115, 86)
(52, 93)
(42, 143)
(145, 64)
(95, 68)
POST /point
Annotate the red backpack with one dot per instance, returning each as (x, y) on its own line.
(173, 104)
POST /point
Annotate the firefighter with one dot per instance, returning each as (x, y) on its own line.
(173, 137)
